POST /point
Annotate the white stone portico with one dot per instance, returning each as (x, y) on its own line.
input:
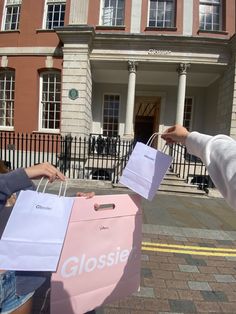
(96, 64)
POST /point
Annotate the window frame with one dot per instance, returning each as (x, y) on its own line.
(41, 109)
(191, 113)
(211, 4)
(11, 100)
(103, 115)
(101, 14)
(173, 18)
(45, 15)
(7, 4)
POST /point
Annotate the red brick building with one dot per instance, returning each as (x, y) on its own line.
(117, 67)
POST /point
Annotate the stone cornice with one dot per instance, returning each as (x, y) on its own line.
(162, 48)
(76, 35)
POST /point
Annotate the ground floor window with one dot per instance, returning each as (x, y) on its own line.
(188, 108)
(111, 104)
(7, 95)
(50, 102)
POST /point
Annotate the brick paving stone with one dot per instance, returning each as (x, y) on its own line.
(214, 296)
(146, 272)
(144, 257)
(156, 305)
(204, 277)
(226, 270)
(178, 284)
(163, 293)
(199, 285)
(195, 261)
(177, 260)
(207, 269)
(168, 266)
(182, 276)
(185, 306)
(231, 258)
(189, 268)
(190, 295)
(160, 282)
(159, 259)
(221, 286)
(148, 282)
(207, 307)
(162, 274)
(228, 307)
(225, 278)
(231, 295)
(145, 292)
(224, 263)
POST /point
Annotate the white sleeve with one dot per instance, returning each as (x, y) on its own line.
(218, 153)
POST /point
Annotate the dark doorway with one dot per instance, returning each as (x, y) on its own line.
(146, 118)
(143, 128)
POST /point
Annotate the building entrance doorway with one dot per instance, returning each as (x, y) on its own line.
(146, 118)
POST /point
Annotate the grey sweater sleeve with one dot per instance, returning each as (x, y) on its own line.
(12, 182)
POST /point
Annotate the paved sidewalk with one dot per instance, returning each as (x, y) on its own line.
(176, 280)
(188, 260)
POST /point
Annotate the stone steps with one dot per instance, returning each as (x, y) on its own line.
(172, 184)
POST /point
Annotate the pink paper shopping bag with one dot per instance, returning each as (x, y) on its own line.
(101, 256)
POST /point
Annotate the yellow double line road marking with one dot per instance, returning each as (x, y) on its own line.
(187, 249)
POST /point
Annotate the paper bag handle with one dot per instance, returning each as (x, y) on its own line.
(151, 139)
(45, 186)
(108, 206)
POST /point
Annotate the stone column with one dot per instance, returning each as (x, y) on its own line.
(129, 125)
(182, 70)
(76, 110)
(78, 12)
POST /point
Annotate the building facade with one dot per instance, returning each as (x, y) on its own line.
(123, 68)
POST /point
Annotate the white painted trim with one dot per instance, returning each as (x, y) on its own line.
(6, 128)
(40, 129)
(100, 11)
(44, 15)
(188, 18)
(3, 15)
(40, 102)
(136, 13)
(28, 51)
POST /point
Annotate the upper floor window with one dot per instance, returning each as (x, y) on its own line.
(7, 96)
(161, 13)
(112, 12)
(12, 15)
(54, 13)
(210, 15)
(111, 106)
(50, 102)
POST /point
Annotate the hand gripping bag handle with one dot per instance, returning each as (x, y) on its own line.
(151, 139)
(45, 186)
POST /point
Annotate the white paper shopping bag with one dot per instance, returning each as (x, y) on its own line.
(145, 170)
(35, 232)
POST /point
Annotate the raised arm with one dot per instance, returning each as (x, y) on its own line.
(218, 153)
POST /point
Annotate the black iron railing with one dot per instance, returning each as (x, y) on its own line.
(95, 157)
(189, 167)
